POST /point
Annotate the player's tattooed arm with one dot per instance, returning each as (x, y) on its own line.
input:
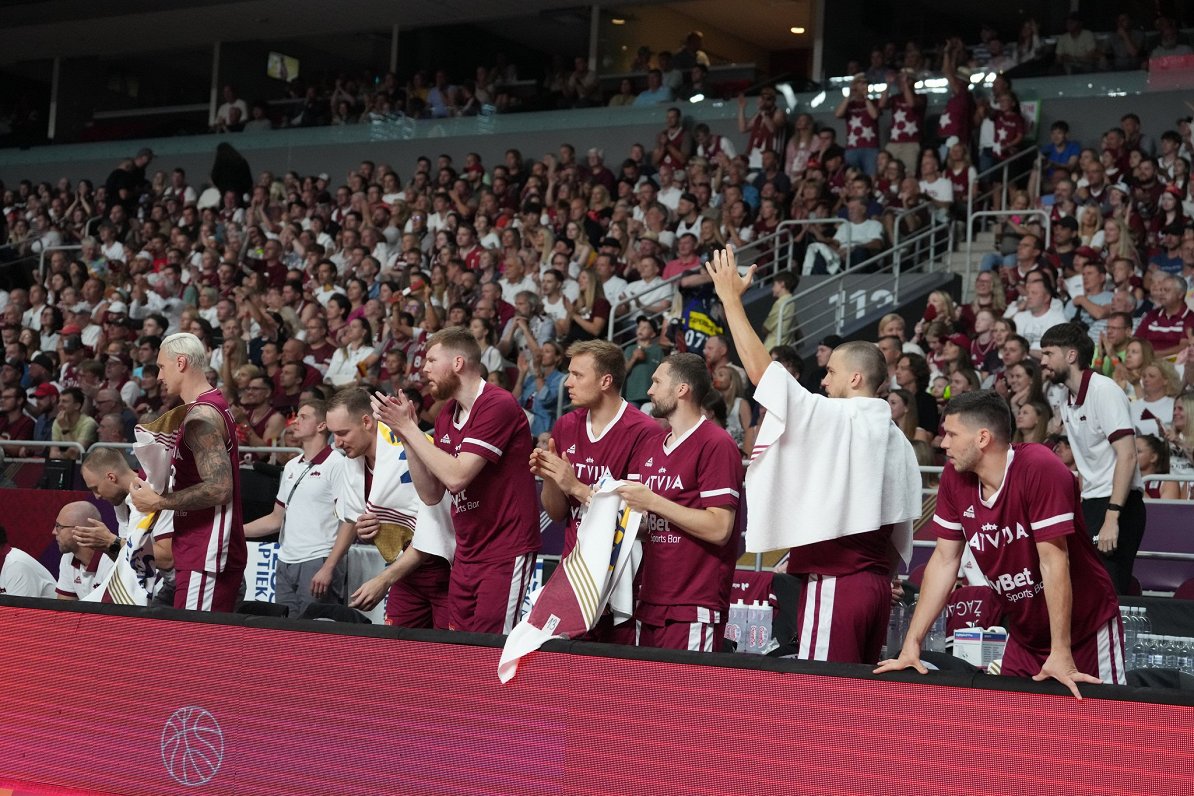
(204, 435)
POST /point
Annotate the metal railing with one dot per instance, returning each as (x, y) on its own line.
(934, 238)
(128, 446)
(38, 443)
(1019, 165)
(977, 215)
(41, 262)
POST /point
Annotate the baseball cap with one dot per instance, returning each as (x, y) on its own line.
(71, 328)
(832, 341)
(45, 390)
(1069, 222)
(1088, 253)
(960, 340)
(117, 308)
(43, 361)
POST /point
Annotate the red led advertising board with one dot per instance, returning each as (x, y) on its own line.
(95, 703)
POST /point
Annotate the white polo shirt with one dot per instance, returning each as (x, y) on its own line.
(1094, 418)
(76, 579)
(309, 529)
(22, 575)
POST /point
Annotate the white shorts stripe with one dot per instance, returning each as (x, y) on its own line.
(806, 627)
(695, 641)
(1104, 642)
(518, 588)
(193, 584)
(825, 619)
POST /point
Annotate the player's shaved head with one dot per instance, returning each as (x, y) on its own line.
(865, 359)
(77, 513)
(105, 460)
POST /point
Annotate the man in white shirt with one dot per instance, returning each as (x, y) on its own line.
(81, 567)
(669, 191)
(515, 280)
(856, 240)
(650, 293)
(22, 575)
(613, 285)
(1098, 424)
(303, 513)
(1039, 313)
(689, 219)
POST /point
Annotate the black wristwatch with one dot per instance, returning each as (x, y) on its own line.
(114, 548)
(1115, 507)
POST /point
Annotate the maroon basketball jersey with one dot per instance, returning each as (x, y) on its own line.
(496, 517)
(1037, 501)
(210, 539)
(593, 456)
(684, 578)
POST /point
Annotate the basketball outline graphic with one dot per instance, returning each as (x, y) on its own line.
(192, 746)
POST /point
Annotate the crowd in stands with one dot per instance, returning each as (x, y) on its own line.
(300, 284)
(1071, 49)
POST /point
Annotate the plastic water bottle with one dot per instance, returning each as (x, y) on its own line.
(1131, 622)
(1156, 652)
(763, 616)
(895, 630)
(1146, 624)
(1137, 654)
(935, 641)
(1185, 654)
(737, 624)
(1168, 654)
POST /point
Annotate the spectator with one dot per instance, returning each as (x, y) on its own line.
(1170, 42)
(641, 361)
(862, 127)
(1077, 50)
(912, 375)
(72, 425)
(765, 129)
(782, 310)
(656, 92)
(1169, 326)
(232, 113)
(538, 386)
(15, 421)
(1152, 455)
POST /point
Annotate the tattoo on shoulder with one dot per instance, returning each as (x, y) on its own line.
(204, 435)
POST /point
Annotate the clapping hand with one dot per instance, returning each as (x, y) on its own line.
(397, 412)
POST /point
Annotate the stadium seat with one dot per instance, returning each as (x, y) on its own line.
(1134, 589)
(1185, 591)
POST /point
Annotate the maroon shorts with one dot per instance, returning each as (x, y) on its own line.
(843, 618)
(421, 598)
(205, 591)
(695, 636)
(1100, 654)
(487, 597)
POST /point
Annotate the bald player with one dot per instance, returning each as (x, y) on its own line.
(81, 567)
(845, 598)
(107, 474)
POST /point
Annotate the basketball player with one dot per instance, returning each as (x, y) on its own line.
(845, 598)
(688, 487)
(209, 538)
(597, 438)
(481, 446)
(417, 584)
(303, 512)
(107, 474)
(1017, 508)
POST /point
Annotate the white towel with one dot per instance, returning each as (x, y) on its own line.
(394, 500)
(823, 468)
(125, 583)
(598, 571)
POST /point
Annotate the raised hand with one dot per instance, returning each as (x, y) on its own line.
(723, 269)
